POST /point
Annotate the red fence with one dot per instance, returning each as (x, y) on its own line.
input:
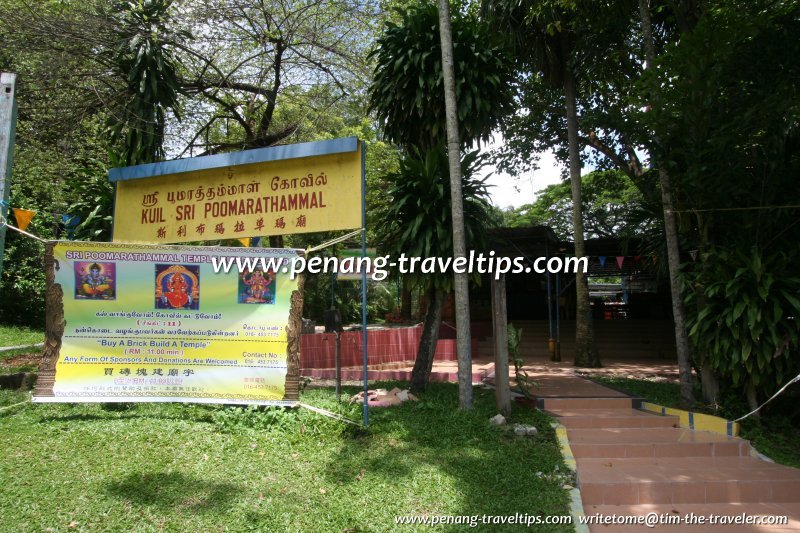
(393, 345)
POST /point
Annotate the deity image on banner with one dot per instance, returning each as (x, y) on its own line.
(257, 287)
(95, 281)
(177, 286)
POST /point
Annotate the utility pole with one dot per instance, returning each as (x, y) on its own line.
(8, 121)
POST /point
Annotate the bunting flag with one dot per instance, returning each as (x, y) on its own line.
(602, 260)
(255, 242)
(71, 223)
(23, 217)
(245, 241)
(637, 258)
(620, 260)
(693, 253)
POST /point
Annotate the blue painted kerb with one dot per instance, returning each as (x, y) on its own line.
(246, 157)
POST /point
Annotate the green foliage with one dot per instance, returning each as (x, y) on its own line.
(612, 206)
(150, 68)
(747, 320)
(407, 92)
(19, 335)
(594, 41)
(419, 218)
(728, 113)
(94, 205)
(253, 418)
(726, 110)
(524, 382)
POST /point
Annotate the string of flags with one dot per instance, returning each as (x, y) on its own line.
(637, 259)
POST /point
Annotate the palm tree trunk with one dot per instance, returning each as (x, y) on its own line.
(585, 349)
(673, 249)
(405, 301)
(427, 343)
(463, 341)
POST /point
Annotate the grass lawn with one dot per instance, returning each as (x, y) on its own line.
(176, 467)
(773, 435)
(20, 360)
(19, 335)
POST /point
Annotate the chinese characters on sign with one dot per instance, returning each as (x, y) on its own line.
(302, 195)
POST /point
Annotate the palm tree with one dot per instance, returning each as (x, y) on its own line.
(673, 253)
(420, 108)
(418, 223)
(463, 340)
(143, 58)
(542, 38)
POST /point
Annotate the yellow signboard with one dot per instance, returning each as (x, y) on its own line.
(278, 197)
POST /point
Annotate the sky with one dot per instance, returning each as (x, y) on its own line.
(516, 191)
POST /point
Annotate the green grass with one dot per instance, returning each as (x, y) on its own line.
(175, 467)
(772, 435)
(7, 366)
(19, 335)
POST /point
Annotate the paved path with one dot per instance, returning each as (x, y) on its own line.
(630, 462)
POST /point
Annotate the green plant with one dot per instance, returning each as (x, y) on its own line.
(253, 418)
(407, 91)
(144, 59)
(744, 309)
(524, 382)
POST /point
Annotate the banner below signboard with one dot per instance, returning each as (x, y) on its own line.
(157, 324)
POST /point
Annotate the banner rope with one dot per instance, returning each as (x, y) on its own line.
(334, 241)
(7, 407)
(795, 380)
(4, 222)
(329, 414)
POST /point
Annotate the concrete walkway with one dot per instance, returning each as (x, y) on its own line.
(630, 462)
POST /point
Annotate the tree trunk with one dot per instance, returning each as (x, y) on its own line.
(673, 249)
(405, 301)
(427, 343)
(459, 239)
(752, 399)
(585, 349)
(500, 334)
(710, 385)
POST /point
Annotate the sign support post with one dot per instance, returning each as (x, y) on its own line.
(8, 119)
(364, 275)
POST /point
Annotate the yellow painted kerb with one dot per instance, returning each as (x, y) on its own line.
(699, 421)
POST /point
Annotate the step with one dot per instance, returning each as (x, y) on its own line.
(663, 480)
(653, 442)
(555, 404)
(612, 418)
(668, 513)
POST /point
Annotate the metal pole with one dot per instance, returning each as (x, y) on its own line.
(333, 283)
(557, 356)
(364, 274)
(551, 342)
(8, 122)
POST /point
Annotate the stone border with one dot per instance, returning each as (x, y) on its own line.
(692, 420)
(576, 503)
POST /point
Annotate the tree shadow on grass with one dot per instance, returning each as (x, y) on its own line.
(174, 491)
(485, 470)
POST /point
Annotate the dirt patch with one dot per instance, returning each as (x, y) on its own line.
(31, 360)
